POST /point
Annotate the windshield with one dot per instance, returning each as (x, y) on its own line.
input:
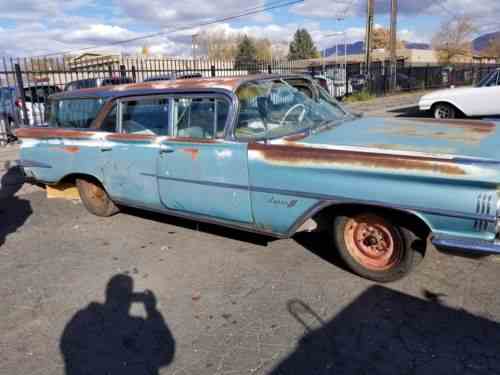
(73, 113)
(273, 109)
(489, 80)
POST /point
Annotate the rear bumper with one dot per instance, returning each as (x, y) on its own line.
(467, 245)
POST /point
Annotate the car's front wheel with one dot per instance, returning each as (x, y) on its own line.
(95, 198)
(444, 111)
(373, 247)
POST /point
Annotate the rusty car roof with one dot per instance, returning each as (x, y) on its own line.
(198, 84)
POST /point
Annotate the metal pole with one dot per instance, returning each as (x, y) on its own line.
(393, 43)
(20, 87)
(369, 36)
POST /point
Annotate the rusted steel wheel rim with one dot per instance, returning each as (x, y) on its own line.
(373, 242)
(96, 193)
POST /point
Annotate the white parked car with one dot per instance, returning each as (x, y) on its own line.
(482, 100)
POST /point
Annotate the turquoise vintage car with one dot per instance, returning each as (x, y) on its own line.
(276, 155)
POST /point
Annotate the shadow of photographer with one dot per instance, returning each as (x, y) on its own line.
(105, 339)
(13, 210)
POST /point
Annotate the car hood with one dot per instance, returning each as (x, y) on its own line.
(477, 139)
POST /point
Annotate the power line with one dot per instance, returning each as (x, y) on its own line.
(245, 13)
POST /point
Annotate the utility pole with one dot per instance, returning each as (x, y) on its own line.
(369, 35)
(394, 44)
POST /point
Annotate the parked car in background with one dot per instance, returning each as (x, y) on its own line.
(481, 100)
(96, 82)
(172, 77)
(358, 82)
(336, 88)
(277, 155)
(36, 96)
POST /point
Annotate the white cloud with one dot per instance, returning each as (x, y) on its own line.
(479, 9)
(56, 25)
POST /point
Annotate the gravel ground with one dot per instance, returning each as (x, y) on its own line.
(141, 293)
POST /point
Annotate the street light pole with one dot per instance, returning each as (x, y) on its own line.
(369, 35)
(393, 44)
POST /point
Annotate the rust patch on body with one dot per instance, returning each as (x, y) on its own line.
(469, 132)
(71, 149)
(299, 155)
(50, 133)
(194, 152)
(484, 125)
(191, 140)
(295, 137)
(130, 137)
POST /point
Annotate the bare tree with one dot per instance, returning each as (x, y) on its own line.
(454, 39)
(382, 37)
(224, 46)
(493, 49)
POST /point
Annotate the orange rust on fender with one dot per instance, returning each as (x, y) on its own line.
(297, 155)
(194, 152)
(71, 149)
(48, 133)
(130, 137)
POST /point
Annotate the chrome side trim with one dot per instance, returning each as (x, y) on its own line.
(31, 164)
(247, 227)
(467, 245)
(483, 216)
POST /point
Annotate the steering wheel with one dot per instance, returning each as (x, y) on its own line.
(293, 108)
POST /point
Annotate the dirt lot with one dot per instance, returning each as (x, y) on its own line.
(207, 300)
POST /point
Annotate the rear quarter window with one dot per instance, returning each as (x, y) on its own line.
(73, 113)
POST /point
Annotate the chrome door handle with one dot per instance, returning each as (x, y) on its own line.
(164, 149)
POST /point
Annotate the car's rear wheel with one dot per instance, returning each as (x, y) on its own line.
(95, 198)
(373, 247)
(444, 111)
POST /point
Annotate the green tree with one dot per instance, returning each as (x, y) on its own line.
(302, 47)
(246, 56)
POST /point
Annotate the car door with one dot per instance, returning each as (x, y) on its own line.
(481, 101)
(130, 151)
(490, 94)
(199, 173)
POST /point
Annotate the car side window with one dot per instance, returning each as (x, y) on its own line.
(145, 116)
(109, 123)
(203, 118)
(494, 81)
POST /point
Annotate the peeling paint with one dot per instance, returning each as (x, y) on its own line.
(194, 152)
(306, 156)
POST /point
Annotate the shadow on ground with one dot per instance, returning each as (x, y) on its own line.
(106, 339)
(13, 210)
(217, 230)
(321, 244)
(410, 111)
(387, 332)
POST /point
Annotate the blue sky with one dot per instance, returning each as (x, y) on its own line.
(35, 27)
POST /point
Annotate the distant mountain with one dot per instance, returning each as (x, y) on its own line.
(357, 48)
(425, 46)
(484, 41)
